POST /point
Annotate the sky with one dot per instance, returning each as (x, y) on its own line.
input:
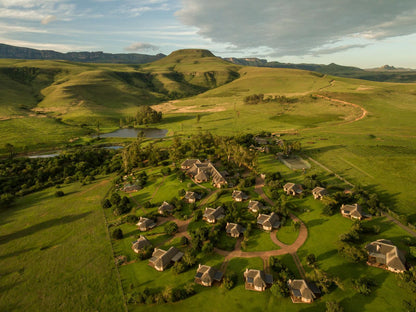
(363, 33)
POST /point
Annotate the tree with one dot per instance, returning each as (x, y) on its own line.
(362, 285)
(229, 281)
(59, 193)
(10, 150)
(146, 115)
(170, 228)
(311, 260)
(106, 203)
(115, 199)
(179, 267)
(117, 234)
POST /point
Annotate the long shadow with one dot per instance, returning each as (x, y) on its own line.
(41, 226)
(315, 222)
(327, 255)
(16, 253)
(177, 118)
(7, 287)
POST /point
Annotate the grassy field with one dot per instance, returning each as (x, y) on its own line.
(55, 253)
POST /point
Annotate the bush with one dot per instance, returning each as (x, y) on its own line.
(170, 228)
(229, 281)
(179, 267)
(115, 199)
(117, 234)
(132, 219)
(59, 193)
(106, 203)
(145, 253)
(363, 285)
(166, 171)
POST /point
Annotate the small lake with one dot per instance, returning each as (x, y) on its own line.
(151, 133)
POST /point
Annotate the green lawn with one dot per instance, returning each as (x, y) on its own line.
(287, 233)
(260, 241)
(55, 254)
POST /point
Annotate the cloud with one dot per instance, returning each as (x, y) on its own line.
(44, 11)
(47, 19)
(298, 27)
(141, 46)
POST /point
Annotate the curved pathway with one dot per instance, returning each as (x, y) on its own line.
(265, 255)
(363, 110)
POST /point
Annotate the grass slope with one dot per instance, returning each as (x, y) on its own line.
(55, 254)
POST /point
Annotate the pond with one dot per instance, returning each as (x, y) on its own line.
(152, 133)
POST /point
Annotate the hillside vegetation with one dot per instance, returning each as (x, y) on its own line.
(362, 130)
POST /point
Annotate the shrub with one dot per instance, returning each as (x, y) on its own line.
(229, 281)
(106, 203)
(117, 234)
(170, 228)
(363, 285)
(59, 193)
(179, 267)
(132, 219)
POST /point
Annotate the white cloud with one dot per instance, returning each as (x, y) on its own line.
(141, 46)
(47, 46)
(44, 11)
(298, 27)
(47, 19)
(7, 29)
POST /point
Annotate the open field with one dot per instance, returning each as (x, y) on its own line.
(55, 253)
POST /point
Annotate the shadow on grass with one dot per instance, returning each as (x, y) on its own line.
(177, 118)
(327, 255)
(16, 253)
(315, 222)
(41, 226)
(5, 288)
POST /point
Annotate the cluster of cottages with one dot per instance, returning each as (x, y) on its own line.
(203, 172)
(381, 253)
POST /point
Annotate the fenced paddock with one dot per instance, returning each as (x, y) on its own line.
(295, 162)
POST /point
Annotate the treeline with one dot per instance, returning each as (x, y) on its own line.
(260, 98)
(201, 145)
(22, 176)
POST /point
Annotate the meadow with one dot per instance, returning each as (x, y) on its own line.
(55, 252)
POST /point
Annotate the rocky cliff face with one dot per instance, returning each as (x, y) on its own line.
(8, 51)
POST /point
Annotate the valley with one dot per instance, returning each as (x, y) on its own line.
(356, 134)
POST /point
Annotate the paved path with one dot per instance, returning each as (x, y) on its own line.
(265, 255)
(404, 227)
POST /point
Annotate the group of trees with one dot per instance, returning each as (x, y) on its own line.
(349, 243)
(119, 204)
(22, 176)
(139, 155)
(260, 98)
(146, 115)
(160, 296)
(209, 146)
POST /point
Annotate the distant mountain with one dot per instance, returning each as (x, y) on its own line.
(384, 73)
(324, 69)
(13, 52)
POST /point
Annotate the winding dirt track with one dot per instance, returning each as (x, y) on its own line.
(364, 112)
